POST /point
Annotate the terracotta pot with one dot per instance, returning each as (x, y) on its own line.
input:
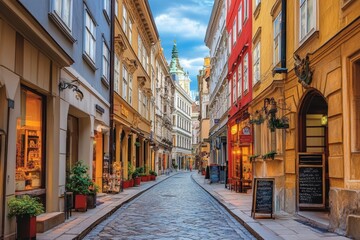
(80, 202)
(126, 184)
(131, 184)
(137, 181)
(144, 178)
(26, 227)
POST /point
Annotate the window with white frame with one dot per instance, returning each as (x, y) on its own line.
(229, 43)
(116, 74)
(277, 39)
(106, 63)
(130, 88)
(140, 101)
(234, 32)
(239, 82)
(307, 17)
(107, 7)
(130, 31)
(117, 8)
(124, 19)
(229, 94)
(124, 83)
(234, 87)
(63, 10)
(90, 36)
(246, 9)
(256, 63)
(246, 73)
(257, 2)
(240, 18)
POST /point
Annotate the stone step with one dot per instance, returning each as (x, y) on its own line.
(47, 221)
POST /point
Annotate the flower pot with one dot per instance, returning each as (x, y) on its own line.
(26, 227)
(91, 201)
(131, 184)
(144, 178)
(126, 184)
(152, 177)
(80, 202)
(137, 181)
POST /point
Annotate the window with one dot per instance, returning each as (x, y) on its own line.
(277, 39)
(106, 63)
(239, 83)
(246, 9)
(240, 19)
(124, 20)
(107, 7)
(63, 10)
(124, 83)
(90, 39)
(234, 88)
(234, 32)
(307, 17)
(228, 94)
(257, 2)
(116, 8)
(256, 64)
(130, 88)
(355, 123)
(130, 32)
(140, 101)
(246, 74)
(30, 161)
(117, 74)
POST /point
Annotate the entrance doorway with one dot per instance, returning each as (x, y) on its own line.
(312, 163)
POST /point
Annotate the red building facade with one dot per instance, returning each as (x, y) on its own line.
(239, 27)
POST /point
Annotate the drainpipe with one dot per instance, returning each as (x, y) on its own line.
(2, 132)
(111, 95)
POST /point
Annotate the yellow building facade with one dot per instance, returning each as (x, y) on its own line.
(135, 34)
(305, 106)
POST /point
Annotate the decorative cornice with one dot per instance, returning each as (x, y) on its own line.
(120, 44)
(131, 64)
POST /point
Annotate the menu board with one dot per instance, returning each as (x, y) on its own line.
(263, 196)
(214, 174)
(311, 189)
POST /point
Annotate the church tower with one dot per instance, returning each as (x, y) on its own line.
(177, 72)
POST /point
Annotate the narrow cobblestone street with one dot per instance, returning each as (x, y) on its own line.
(174, 209)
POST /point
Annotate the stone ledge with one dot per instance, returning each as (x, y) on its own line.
(352, 229)
(47, 221)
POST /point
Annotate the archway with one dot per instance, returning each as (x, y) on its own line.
(312, 160)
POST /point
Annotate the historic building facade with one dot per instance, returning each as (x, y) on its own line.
(30, 70)
(239, 27)
(164, 107)
(203, 150)
(217, 39)
(135, 34)
(181, 117)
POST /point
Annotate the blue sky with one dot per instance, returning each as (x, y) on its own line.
(186, 21)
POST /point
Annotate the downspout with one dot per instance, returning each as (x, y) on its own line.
(111, 95)
(283, 34)
(2, 132)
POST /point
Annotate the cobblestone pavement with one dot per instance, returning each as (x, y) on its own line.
(177, 208)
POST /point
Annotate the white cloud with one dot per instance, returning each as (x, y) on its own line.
(180, 26)
(192, 65)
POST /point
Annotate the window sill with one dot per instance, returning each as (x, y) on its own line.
(257, 11)
(89, 61)
(61, 25)
(346, 4)
(105, 82)
(256, 85)
(313, 34)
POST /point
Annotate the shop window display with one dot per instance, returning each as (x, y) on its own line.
(29, 143)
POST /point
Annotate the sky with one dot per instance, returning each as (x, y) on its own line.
(186, 22)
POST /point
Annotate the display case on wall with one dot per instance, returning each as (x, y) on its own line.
(28, 161)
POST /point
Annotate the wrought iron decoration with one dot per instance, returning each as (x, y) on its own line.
(72, 85)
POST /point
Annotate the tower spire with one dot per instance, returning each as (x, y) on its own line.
(174, 53)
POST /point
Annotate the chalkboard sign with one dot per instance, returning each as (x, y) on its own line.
(311, 180)
(263, 196)
(214, 174)
(311, 189)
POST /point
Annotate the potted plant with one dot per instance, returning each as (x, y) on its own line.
(79, 182)
(135, 176)
(253, 157)
(25, 209)
(153, 175)
(91, 197)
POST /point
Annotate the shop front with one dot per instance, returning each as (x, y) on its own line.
(240, 149)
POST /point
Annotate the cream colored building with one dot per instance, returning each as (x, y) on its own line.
(135, 34)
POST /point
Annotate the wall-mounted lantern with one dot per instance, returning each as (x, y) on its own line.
(72, 85)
